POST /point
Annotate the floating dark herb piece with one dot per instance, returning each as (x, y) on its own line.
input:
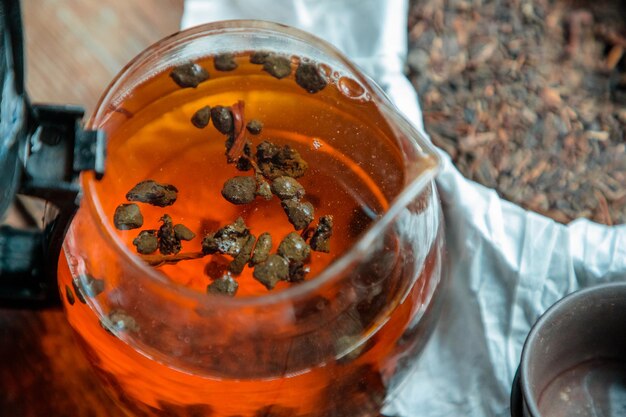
(223, 286)
(277, 66)
(168, 242)
(240, 190)
(225, 62)
(300, 214)
(127, 217)
(228, 240)
(242, 258)
(286, 188)
(158, 260)
(274, 269)
(263, 188)
(320, 241)
(222, 118)
(189, 75)
(201, 118)
(297, 272)
(294, 248)
(146, 242)
(254, 126)
(262, 249)
(244, 162)
(69, 295)
(277, 161)
(259, 57)
(153, 193)
(182, 232)
(310, 78)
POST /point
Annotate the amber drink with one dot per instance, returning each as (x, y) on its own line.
(195, 326)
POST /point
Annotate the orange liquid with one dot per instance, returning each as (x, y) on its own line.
(151, 137)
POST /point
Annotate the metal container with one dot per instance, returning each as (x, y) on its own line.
(574, 359)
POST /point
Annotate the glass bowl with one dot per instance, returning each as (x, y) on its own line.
(341, 342)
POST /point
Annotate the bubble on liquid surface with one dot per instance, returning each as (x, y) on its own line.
(325, 70)
(350, 88)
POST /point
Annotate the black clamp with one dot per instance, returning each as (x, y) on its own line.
(58, 150)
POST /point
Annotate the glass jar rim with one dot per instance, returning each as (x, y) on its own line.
(91, 199)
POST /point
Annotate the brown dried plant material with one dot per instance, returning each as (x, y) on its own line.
(222, 118)
(225, 62)
(228, 240)
(225, 285)
(244, 162)
(202, 117)
(297, 272)
(277, 66)
(310, 78)
(263, 189)
(274, 269)
(294, 248)
(277, 161)
(189, 75)
(240, 190)
(278, 165)
(261, 249)
(182, 232)
(287, 188)
(168, 242)
(528, 98)
(153, 193)
(300, 214)
(254, 126)
(146, 242)
(158, 260)
(242, 258)
(320, 241)
(127, 217)
(259, 57)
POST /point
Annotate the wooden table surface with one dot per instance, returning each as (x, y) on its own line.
(74, 48)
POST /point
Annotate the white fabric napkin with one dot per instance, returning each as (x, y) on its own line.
(507, 265)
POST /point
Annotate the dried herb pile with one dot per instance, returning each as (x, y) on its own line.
(529, 98)
(271, 171)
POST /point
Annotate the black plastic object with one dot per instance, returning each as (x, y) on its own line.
(574, 359)
(43, 149)
(13, 107)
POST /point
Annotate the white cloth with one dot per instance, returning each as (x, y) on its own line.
(507, 265)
